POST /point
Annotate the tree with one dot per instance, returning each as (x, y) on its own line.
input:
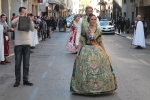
(84, 3)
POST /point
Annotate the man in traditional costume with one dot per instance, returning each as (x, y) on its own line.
(83, 23)
(6, 39)
(139, 39)
(1, 45)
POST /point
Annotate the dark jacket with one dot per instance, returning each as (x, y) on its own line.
(49, 22)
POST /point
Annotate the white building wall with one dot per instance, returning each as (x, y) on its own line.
(76, 6)
(0, 6)
(128, 8)
(5, 7)
(94, 4)
(15, 7)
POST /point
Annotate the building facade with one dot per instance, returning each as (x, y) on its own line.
(70, 7)
(117, 9)
(128, 9)
(96, 7)
(103, 8)
(33, 7)
(143, 8)
(76, 6)
(11, 6)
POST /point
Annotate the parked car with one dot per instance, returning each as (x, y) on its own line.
(69, 20)
(107, 27)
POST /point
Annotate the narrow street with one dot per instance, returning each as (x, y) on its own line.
(51, 69)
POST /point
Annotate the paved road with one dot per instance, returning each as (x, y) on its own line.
(51, 69)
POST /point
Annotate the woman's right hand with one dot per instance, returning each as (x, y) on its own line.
(77, 46)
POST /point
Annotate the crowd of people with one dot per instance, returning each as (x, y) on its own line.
(125, 26)
(43, 27)
(26, 29)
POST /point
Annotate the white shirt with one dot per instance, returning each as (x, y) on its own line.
(1, 43)
(79, 28)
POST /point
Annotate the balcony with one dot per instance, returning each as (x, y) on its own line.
(62, 5)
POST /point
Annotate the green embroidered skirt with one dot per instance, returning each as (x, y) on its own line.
(92, 72)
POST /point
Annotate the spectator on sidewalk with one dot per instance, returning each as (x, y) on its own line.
(13, 33)
(38, 21)
(33, 35)
(134, 25)
(2, 45)
(6, 38)
(54, 24)
(64, 24)
(22, 48)
(49, 27)
(127, 25)
(119, 24)
(122, 25)
(139, 39)
(60, 23)
(13, 16)
(145, 27)
(43, 29)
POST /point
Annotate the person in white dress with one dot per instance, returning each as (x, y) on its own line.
(70, 46)
(1, 44)
(139, 39)
(33, 35)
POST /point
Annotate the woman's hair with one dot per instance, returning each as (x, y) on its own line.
(89, 17)
(76, 16)
(30, 14)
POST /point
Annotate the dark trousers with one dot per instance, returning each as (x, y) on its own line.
(120, 29)
(22, 51)
(43, 33)
(13, 35)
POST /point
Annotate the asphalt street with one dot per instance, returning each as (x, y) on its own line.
(51, 69)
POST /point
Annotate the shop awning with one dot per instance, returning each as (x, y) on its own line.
(54, 2)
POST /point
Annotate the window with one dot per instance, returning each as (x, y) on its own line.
(124, 1)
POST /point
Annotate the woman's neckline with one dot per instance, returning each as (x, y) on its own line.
(93, 28)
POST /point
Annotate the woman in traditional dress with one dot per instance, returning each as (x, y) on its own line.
(6, 39)
(92, 72)
(70, 46)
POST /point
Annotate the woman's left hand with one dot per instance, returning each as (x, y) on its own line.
(77, 56)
